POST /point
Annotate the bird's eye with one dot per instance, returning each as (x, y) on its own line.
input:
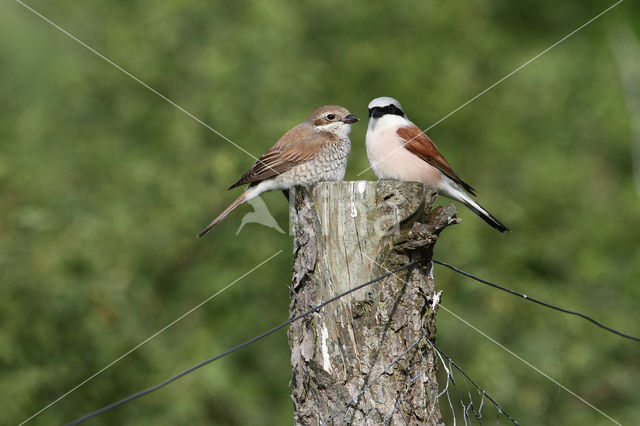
(331, 117)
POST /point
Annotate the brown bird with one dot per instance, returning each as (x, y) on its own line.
(313, 151)
(399, 150)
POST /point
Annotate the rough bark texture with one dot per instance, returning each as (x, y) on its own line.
(361, 359)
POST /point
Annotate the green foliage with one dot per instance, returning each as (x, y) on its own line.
(103, 186)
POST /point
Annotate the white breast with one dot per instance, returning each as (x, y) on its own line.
(390, 160)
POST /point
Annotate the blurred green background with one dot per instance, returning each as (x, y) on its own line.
(103, 186)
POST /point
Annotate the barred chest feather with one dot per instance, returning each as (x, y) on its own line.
(329, 165)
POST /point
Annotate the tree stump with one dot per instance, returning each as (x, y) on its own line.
(363, 359)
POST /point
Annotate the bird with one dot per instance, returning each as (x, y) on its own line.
(398, 150)
(313, 151)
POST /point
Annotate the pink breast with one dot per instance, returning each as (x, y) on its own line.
(390, 160)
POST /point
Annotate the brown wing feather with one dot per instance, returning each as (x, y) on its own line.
(297, 146)
(419, 144)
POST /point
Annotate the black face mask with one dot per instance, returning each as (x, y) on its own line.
(377, 112)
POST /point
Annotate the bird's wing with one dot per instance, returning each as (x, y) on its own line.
(416, 142)
(297, 146)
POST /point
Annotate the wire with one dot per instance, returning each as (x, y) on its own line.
(449, 376)
(539, 302)
(145, 341)
(527, 363)
(333, 299)
(484, 393)
(235, 348)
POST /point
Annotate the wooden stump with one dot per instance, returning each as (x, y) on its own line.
(363, 359)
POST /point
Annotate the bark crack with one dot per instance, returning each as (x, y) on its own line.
(374, 333)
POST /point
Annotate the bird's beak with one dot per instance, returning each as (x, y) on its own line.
(349, 119)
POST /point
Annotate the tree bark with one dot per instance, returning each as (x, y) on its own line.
(363, 359)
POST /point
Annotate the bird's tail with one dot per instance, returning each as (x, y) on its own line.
(486, 216)
(241, 199)
(479, 210)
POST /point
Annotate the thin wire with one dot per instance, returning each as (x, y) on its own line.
(236, 348)
(512, 353)
(532, 366)
(539, 302)
(449, 374)
(484, 393)
(506, 76)
(465, 414)
(477, 414)
(151, 337)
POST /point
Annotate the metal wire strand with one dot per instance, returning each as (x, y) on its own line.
(484, 393)
(539, 302)
(235, 348)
